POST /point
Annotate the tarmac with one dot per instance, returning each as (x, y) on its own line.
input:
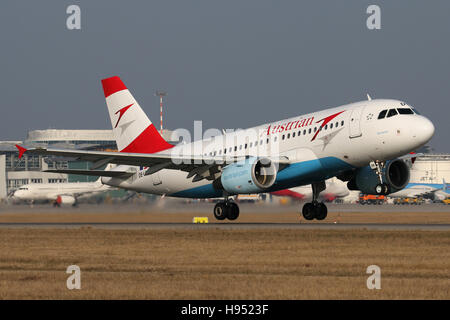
(177, 214)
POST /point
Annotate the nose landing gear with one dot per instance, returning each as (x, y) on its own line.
(227, 209)
(381, 188)
(315, 210)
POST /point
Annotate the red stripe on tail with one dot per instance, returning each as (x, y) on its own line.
(112, 85)
(149, 141)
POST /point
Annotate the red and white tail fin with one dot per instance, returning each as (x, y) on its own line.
(133, 130)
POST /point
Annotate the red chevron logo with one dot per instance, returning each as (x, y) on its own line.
(325, 122)
(121, 113)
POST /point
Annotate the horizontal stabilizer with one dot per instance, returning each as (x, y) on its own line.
(97, 173)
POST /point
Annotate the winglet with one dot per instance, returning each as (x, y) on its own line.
(22, 150)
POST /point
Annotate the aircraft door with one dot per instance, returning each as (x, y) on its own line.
(355, 123)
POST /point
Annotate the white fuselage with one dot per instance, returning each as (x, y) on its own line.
(51, 191)
(352, 138)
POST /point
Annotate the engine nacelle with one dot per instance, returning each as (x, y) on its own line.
(251, 175)
(69, 200)
(396, 174)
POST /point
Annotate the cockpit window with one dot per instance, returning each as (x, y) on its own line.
(391, 113)
(415, 111)
(405, 111)
(382, 114)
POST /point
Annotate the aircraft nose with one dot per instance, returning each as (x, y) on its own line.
(424, 131)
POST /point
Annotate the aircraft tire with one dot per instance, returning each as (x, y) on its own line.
(308, 211)
(232, 211)
(220, 211)
(321, 211)
(379, 188)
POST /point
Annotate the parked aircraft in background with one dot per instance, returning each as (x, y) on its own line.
(359, 143)
(425, 190)
(334, 188)
(59, 193)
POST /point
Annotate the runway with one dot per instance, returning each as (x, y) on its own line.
(179, 215)
(232, 226)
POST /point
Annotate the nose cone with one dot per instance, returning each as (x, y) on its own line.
(424, 131)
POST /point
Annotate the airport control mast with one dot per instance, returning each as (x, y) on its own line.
(161, 94)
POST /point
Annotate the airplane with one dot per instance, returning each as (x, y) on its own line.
(428, 190)
(58, 193)
(359, 143)
(333, 189)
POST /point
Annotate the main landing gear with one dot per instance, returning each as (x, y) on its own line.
(377, 167)
(315, 210)
(227, 209)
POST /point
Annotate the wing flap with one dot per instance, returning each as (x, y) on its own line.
(97, 173)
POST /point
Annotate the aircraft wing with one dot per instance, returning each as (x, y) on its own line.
(195, 165)
(97, 173)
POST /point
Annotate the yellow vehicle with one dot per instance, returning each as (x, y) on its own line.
(408, 201)
(446, 201)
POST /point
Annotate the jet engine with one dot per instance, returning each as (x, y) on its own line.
(251, 175)
(395, 174)
(64, 199)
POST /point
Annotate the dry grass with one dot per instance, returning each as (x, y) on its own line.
(223, 264)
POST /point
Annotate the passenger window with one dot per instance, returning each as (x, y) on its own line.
(405, 111)
(267, 140)
(245, 146)
(299, 133)
(235, 148)
(229, 150)
(337, 124)
(293, 134)
(282, 137)
(224, 151)
(326, 127)
(342, 123)
(288, 135)
(331, 126)
(240, 147)
(304, 132)
(315, 129)
(309, 131)
(251, 144)
(382, 114)
(391, 113)
(275, 139)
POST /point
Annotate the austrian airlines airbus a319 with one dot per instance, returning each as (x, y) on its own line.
(360, 143)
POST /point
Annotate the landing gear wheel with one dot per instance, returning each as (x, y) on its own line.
(308, 211)
(321, 211)
(220, 211)
(387, 189)
(379, 189)
(232, 211)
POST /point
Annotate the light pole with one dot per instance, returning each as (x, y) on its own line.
(161, 94)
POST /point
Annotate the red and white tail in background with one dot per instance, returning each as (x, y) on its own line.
(133, 130)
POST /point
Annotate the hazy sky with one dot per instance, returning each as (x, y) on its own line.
(232, 64)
